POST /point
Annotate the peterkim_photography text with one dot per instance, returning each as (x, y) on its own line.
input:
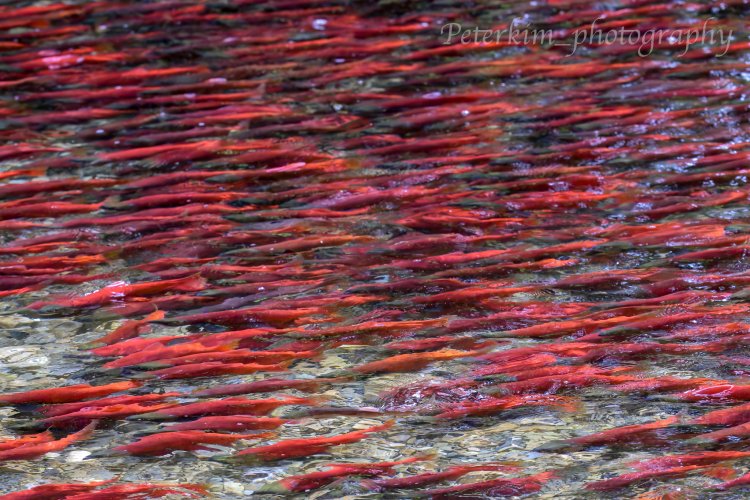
(519, 33)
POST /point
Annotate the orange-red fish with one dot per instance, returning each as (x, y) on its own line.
(229, 423)
(129, 329)
(34, 450)
(62, 409)
(122, 290)
(493, 488)
(53, 491)
(67, 394)
(269, 385)
(451, 473)
(143, 490)
(613, 436)
(109, 412)
(212, 369)
(315, 480)
(414, 361)
(634, 477)
(167, 442)
(295, 448)
(495, 405)
(697, 458)
(10, 443)
(231, 406)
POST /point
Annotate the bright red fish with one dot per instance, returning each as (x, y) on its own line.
(42, 437)
(67, 394)
(229, 423)
(231, 406)
(167, 442)
(451, 473)
(295, 448)
(414, 361)
(34, 450)
(494, 487)
(53, 491)
(315, 480)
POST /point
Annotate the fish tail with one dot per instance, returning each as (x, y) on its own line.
(568, 404)
(382, 427)
(317, 400)
(724, 473)
(370, 484)
(84, 433)
(158, 314)
(196, 487)
(557, 445)
(543, 477)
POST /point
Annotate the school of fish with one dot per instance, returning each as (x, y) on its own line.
(284, 248)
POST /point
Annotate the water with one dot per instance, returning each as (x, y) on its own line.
(353, 163)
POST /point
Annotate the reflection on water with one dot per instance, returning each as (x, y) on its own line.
(500, 248)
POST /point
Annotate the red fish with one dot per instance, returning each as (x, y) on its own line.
(494, 487)
(69, 394)
(47, 209)
(451, 473)
(495, 405)
(295, 448)
(53, 491)
(717, 392)
(274, 317)
(121, 290)
(555, 383)
(109, 412)
(627, 479)
(214, 369)
(664, 384)
(62, 409)
(156, 352)
(167, 442)
(34, 450)
(42, 437)
(131, 346)
(698, 458)
(269, 385)
(433, 343)
(743, 480)
(237, 356)
(231, 406)
(229, 423)
(144, 490)
(315, 480)
(612, 436)
(413, 361)
(129, 329)
(730, 433)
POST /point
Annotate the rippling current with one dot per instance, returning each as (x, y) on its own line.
(299, 235)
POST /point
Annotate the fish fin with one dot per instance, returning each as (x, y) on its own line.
(276, 487)
(84, 433)
(370, 484)
(557, 445)
(724, 473)
(158, 314)
(320, 399)
(202, 447)
(387, 425)
(569, 404)
(114, 202)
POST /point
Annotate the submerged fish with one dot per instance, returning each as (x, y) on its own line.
(315, 480)
(71, 393)
(34, 450)
(295, 448)
(167, 442)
